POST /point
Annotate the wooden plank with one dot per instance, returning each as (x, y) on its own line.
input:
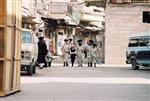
(1, 42)
(1, 75)
(2, 59)
(9, 38)
(10, 10)
(2, 16)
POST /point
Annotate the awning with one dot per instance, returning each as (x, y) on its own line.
(57, 22)
(29, 20)
(89, 27)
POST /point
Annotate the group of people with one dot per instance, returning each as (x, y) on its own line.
(70, 51)
(79, 52)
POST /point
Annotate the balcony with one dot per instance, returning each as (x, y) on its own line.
(28, 9)
(93, 13)
(60, 9)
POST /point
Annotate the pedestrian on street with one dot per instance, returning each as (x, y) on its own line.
(88, 48)
(65, 52)
(80, 53)
(42, 51)
(49, 55)
(72, 54)
(94, 54)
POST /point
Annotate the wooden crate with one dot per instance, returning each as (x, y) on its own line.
(10, 46)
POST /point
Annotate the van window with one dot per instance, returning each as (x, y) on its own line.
(144, 42)
(133, 43)
(26, 37)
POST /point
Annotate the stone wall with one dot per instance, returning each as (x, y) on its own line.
(121, 21)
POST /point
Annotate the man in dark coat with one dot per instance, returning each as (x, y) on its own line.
(42, 51)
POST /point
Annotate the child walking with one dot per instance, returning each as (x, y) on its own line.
(94, 54)
(72, 54)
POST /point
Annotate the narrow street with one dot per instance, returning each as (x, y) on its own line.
(102, 83)
(110, 35)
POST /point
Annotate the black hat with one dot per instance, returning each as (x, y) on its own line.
(70, 39)
(79, 40)
(91, 41)
(94, 44)
(65, 39)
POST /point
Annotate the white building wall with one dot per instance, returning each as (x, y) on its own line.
(122, 21)
(92, 17)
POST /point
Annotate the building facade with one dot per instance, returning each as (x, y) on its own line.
(123, 18)
(32, 11)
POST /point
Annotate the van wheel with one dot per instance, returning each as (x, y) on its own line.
(134, 64)
(34, 69)
(30, 70)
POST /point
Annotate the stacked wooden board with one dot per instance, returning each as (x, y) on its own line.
(10, 45)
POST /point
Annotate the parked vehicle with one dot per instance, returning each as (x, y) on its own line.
(29, 51)
(138, 51)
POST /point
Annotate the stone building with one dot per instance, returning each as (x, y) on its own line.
(123, 18)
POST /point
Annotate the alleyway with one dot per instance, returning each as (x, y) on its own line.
(59, 83)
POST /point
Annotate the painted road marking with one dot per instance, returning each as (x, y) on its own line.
(34, 80)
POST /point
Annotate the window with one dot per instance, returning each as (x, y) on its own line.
(146, 17)
(133, 42)
(26, 37)
(144, 42)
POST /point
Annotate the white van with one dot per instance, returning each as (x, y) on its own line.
(29, 51)
(138, 51)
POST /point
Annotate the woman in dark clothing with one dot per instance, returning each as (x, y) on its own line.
(42, 51)
(72, 54)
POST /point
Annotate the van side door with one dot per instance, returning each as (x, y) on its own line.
(132, 49)
(143, 54)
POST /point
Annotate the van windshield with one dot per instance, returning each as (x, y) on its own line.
(26, 37)
(144, 41)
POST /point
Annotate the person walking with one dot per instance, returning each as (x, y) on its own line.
(80, 53)
(94, 54)
(65, 52)
(49, 55)
(42, 51)
(88, 48)
(72, 54)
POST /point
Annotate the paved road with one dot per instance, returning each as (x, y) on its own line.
(85, 84)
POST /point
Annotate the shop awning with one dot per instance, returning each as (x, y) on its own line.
(29, 20)
(57, 22)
